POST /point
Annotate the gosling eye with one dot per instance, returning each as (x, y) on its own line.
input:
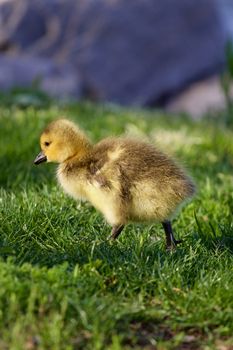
(46, 143)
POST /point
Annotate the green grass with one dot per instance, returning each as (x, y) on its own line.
(64, 286)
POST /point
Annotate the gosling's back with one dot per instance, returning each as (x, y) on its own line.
(145, 183)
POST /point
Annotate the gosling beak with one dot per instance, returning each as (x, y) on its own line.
(40, 158)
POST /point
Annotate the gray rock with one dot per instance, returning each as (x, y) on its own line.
(141, 52)
(226, 12)
(56, 80)
(137, 52)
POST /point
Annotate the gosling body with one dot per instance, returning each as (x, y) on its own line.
(127, 180)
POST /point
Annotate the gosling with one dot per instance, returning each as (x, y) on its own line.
(127, 180)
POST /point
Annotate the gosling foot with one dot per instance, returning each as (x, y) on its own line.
(116, 230)
(171, 242)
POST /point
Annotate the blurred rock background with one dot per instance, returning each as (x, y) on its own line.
(166, 53)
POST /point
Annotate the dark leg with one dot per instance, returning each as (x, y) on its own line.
(116, 230)
(170, 239)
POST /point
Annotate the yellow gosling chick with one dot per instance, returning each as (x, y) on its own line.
(126, 180)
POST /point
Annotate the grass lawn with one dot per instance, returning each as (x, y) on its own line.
(64, 286)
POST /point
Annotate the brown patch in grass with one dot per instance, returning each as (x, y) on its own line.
(147, 335)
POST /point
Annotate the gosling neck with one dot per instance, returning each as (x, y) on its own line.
(80, 156)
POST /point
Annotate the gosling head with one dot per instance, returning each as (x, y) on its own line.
(60, 141)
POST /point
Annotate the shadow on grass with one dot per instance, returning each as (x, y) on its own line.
(215, 238)
(79, 249)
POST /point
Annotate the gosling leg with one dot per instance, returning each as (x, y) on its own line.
(170, 239)
(116, 230)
